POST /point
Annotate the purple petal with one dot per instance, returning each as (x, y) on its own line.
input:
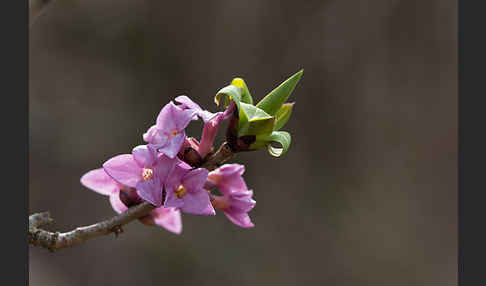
(145, 156)
(164, 167)
(187, 103)
(232, 184)
(194, 180)
(175, 179)
(172, 118)
(182, 118)
(228, 178)
(117, 204)
(124, 170)
(155, 137)
(173, 145)
(229, 110)
(241, 219)
(171, 199)
(168, 218)
(165, 120)
(151, 191)
(209, 133)
(206, 115)
(98, 181)
(230, 169)
(198, 203)
(242, 201)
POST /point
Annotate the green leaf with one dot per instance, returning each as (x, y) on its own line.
(260, 126)
(280, 137)
(253, 111)
(245, 94)
(228, 93)
(283, 115)
(260, 123)
(272, 102)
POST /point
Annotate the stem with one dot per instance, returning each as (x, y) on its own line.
(57, 240)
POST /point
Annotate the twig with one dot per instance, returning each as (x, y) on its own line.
(57, 240)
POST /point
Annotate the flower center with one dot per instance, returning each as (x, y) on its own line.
(180, 191)
(175, 132)
(147, 174)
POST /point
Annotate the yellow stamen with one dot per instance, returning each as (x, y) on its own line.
(147, 174)
(175, 132)
(180, 191)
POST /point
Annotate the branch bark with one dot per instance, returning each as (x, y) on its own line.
(57, 240)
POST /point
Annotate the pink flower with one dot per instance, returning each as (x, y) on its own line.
(236, 200)
(144, 169)
(99, 181)
(185, 190)
(168, 134)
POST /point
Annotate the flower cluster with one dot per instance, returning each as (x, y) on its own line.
(167, 171)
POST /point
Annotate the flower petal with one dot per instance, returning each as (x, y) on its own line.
(165, 120)
(164, 167)
(149, 135)
(168, 218)
(151, 191)
(175, 179)
(99, 181)
(210, 131)
(173, 145)
(145, 156)
(242, 201)
(187, 103)
(172, 118)
(155, 137)
(124, 170)
(198, 203)
(207, 115)
(171, 199)
(117, 204)
(230, 169)
(228, 178)
(232, 184)
(241, 219)
(194, 180)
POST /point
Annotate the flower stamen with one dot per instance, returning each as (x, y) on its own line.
(147, 174)
(180, 191)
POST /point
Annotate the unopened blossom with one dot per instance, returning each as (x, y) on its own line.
(99, 181)
(210, 130)
(236, 200)
(144, 169)
(168, 134)
(185, 190)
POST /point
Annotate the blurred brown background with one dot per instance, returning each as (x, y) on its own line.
(366, 195)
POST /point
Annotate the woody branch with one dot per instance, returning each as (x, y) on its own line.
(57, 240)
